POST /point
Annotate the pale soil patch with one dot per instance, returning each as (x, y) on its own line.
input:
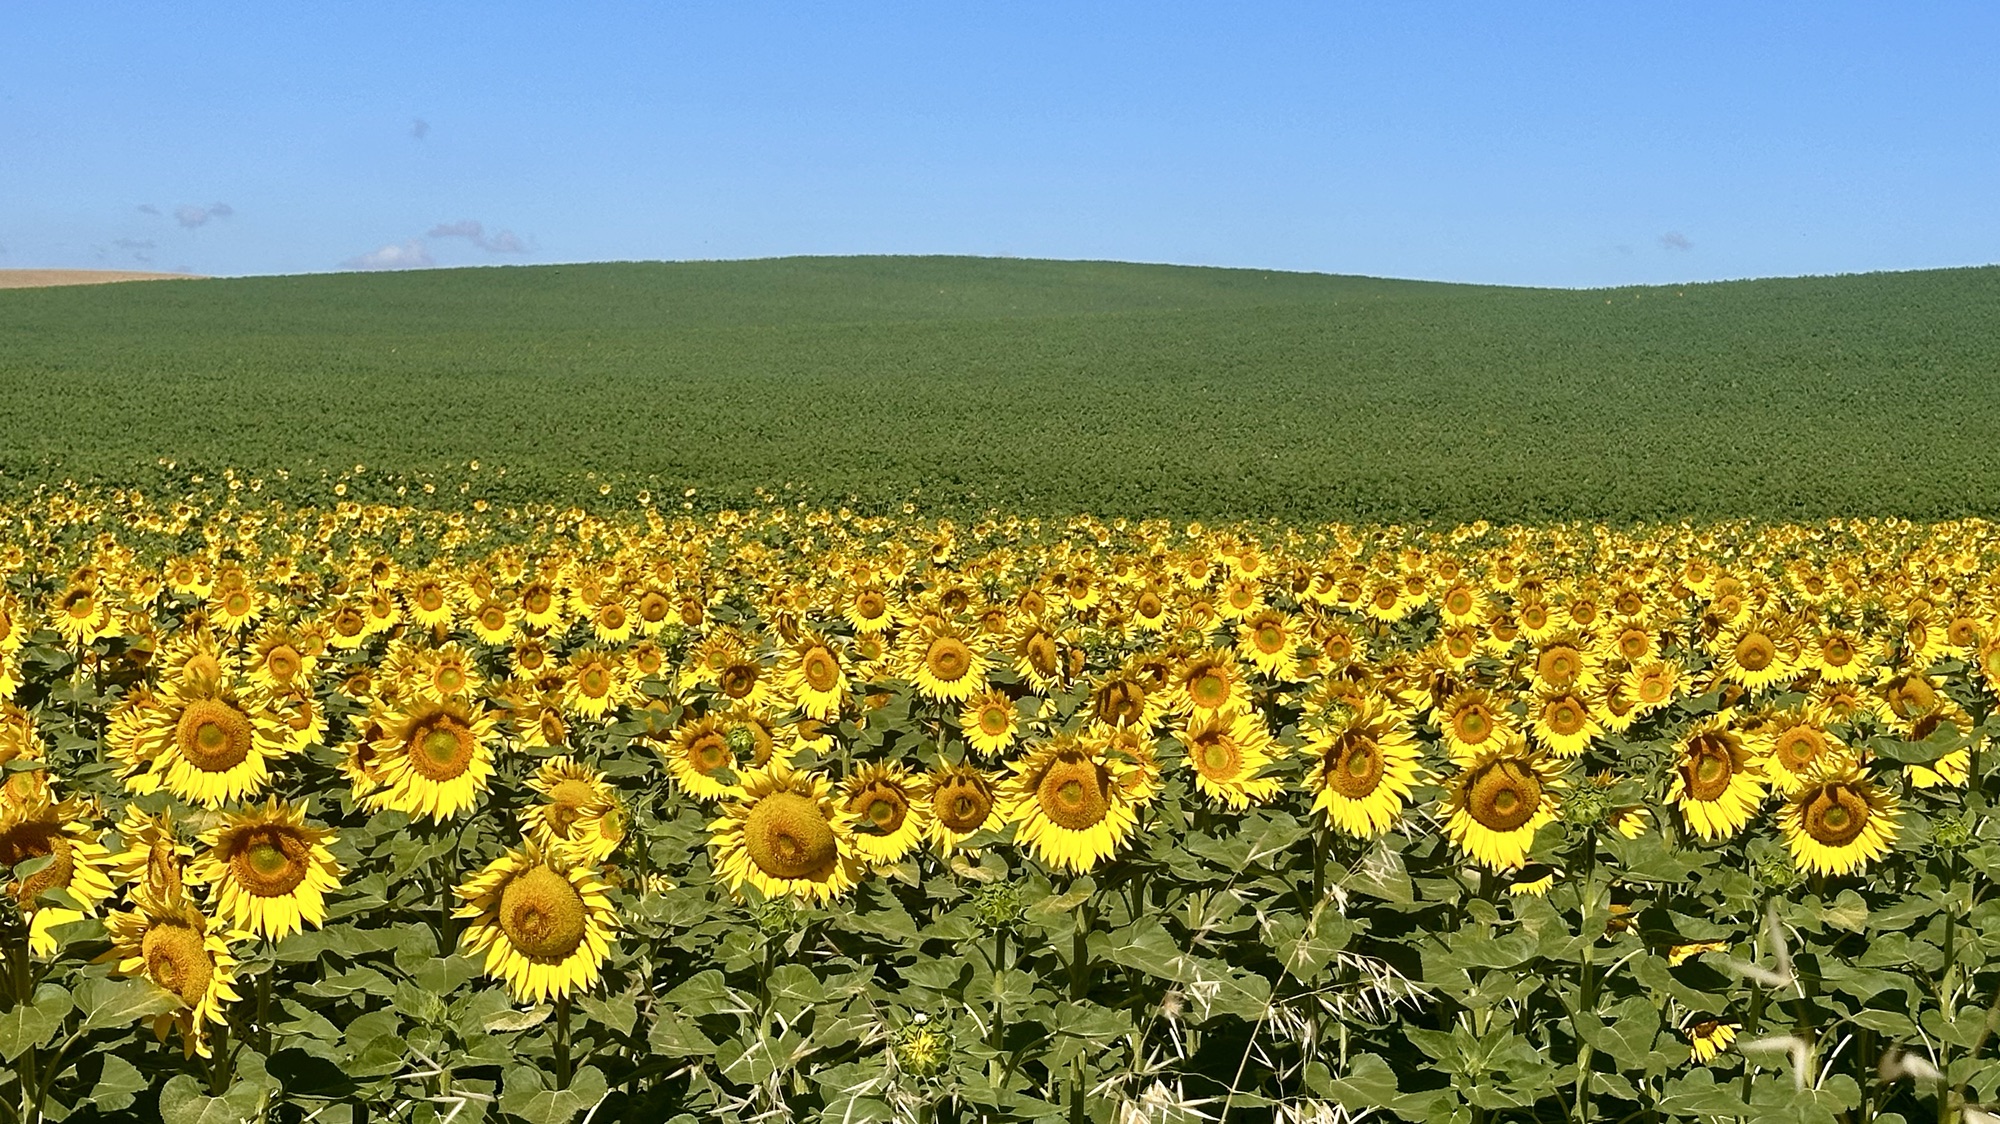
(38, 278)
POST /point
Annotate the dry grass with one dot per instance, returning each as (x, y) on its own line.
(42, 278)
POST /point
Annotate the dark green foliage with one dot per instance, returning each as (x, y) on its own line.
(1034, 386)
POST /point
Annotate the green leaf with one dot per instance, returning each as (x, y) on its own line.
(1625, 1033)
(525, 1096)
(118, 1082)
(617, 1012)
(183, 1102)
(31, 1024)
(109, 1003)
(1370, 1086)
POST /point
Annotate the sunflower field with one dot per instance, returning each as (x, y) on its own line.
(351, 811)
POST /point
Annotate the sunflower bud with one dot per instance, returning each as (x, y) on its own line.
(921, 1050)
(997, 905)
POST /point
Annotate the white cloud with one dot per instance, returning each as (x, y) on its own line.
(191, 215)
(412, 254)
(472, 230)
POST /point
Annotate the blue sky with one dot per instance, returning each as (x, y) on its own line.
(1535, 144)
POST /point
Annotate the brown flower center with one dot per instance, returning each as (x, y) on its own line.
(881, 806)
(820, 669)
(1072, 793)
(1217, 756)
(542, 915)
(962, 802)
(1755, 651)
(270, 860)
(1353, 766)
(1503, 795)
(948, 659)
(441, 747)
(178, 959)
(787, 837)
(1708, 768)
(1835, 814)
(213, 735)
(32, 840)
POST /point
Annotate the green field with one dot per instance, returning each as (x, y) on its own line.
(1035, 386)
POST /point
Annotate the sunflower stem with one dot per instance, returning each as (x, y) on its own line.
(562, 1041)
(1586, 983)
(264, 1008)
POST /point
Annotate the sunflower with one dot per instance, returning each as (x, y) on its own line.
(1037, 655)
(278, 661)
(18, 740)
(963, 802)
(1708, 1038)
(81, 614)
(170, 942)
(868, 609)
(540, 603)
(444, 674)
(1366, 767)
(268, 871)
(944, 662)
(1652, 685)
(1562, 661)
(236, 606)
(1633, 643)
(1788, 745)
(1717, 782)
(990, 723)
(543, 922)
(1462, 604)
(1494, 806)
(582, 814)
(154, 858)
(784, 836)
(34, 824)
(193, 657)
(1563, 722)
(429, 602)
(1227, 749)
(1127, 699)
(205, 741)
(890, 811)
(1837, 821)
(813, 677)
(1068, 805)
(1473, 722)
(1840, 656)
(494, 622)
(1757, 654)
(434, 758)
(700, 755)
(1208, 682)
(597, 683)
(1269, 640)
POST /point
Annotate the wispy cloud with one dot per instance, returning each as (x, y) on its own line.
(412, 254)
(419, 128)
(140, 249)
(191, 215)
(498, 242)
(416, 252)
(1675, 240)
(148, 209)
